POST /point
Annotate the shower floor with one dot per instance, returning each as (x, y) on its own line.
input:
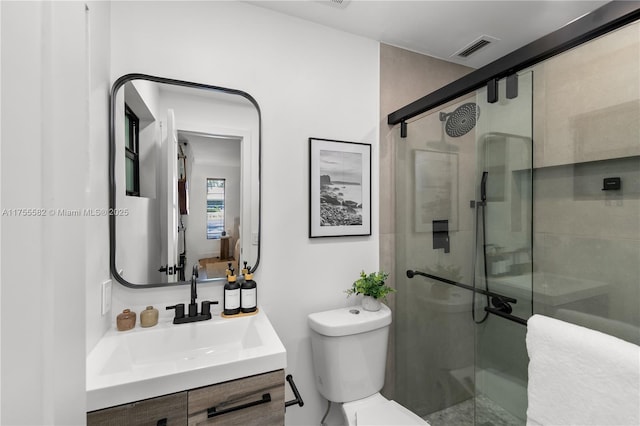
(489, 414)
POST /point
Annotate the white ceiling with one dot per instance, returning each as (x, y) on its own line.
(212, 149)
(441, 28)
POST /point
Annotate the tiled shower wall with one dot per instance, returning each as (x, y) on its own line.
(587, 128)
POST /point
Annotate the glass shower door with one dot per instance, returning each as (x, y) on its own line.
(434, 333)
(435, 170)
(454, 363)
(503, 250)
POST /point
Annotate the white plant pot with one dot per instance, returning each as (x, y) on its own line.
(370, 304)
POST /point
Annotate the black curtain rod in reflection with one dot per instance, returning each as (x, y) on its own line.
(607, 18)
(500, 297)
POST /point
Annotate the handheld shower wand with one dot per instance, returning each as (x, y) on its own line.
(483, 187)
(481, 210)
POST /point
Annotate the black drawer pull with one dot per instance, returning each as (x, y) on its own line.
(212, 412)
(162, 422)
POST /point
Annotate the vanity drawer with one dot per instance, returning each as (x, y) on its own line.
(165, 410)
(258, 400)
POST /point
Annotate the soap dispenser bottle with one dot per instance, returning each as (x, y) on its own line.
(248, 292)
(231, 295)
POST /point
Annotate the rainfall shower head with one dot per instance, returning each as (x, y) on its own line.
(461, 120)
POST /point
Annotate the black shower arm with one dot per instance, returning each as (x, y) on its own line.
(411, 274)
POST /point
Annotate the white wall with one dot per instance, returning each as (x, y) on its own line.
(0, 229)
(19, 235)
(48, 53)
(310, 81)
(97, 192)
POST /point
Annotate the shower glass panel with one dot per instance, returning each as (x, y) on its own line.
(587, 230)
(435, 233)
(585, 234)
(505, 155)
(442, 357)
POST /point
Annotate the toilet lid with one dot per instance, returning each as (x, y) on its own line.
(390, 413)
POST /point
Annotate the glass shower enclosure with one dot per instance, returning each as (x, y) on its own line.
(464, 222)
(499, 223)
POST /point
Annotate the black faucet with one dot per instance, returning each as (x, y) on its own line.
(193, 316)
(193, 308)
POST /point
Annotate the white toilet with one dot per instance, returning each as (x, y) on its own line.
(349, 348)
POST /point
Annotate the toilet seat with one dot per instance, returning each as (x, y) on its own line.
(376, 410)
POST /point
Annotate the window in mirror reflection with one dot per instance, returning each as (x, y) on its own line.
(215, 208)
(132, 163)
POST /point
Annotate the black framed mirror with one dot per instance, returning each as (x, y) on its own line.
(184, 181)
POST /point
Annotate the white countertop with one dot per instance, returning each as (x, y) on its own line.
(143, 363)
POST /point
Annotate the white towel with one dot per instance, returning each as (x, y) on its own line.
(579, 376)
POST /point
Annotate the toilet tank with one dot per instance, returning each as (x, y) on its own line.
(349, 349)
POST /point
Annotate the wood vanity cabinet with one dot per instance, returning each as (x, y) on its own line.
(255, 400)
(221, 404)
(167, 410)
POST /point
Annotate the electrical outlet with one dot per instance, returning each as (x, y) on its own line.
(106, 297)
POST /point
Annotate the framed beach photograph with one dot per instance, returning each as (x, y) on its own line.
(436, 189)
(339, 188)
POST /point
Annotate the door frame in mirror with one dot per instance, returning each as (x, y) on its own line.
(112, 165)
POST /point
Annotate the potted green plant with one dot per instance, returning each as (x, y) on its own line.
(372, 287)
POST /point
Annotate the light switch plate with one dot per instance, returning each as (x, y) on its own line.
(106, 297)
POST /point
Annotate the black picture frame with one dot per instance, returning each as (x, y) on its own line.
(339, 188)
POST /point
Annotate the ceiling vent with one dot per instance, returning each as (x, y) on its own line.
(471, 48)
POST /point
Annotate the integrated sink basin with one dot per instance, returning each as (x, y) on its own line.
(144, 363)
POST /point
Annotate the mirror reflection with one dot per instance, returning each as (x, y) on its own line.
(185, 174)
